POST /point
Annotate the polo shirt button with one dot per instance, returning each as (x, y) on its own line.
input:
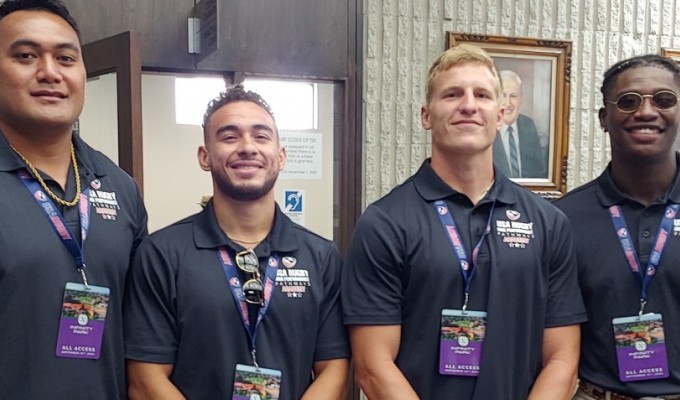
(646, 213)
(645, 234)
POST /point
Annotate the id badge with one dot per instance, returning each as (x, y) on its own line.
(640, 348)
(251, 383)
(81, 326)
(460, 344)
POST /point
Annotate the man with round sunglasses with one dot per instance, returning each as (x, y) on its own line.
(628, 239)
(237, 301)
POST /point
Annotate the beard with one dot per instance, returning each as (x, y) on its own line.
(246, 192)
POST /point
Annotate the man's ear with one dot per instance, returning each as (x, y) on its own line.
(425, 117)
(282, 158)
(501, 112)
(602, 114)
(203, 158)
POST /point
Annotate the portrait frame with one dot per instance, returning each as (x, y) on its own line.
(544, 66)
(670, 52)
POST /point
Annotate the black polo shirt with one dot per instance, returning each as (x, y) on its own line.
(401, 270)
(35, 267)
(610, 289)
(180, 309)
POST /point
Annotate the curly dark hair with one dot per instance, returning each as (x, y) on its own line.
(647, 60)
(52, 6)
(232, 94)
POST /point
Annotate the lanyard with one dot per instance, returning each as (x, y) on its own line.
(629, 249)
(235, 286)
(57, 220)
(467, 266)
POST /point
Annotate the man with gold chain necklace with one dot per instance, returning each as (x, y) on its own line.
(71, 219)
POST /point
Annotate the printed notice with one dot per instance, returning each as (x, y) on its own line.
(304, 155)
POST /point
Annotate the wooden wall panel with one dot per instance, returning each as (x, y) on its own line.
(161, 24)
(283, 37)
(295, 37)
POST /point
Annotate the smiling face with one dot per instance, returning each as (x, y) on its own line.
(242, 151)
(463, 112)
(42, 70)
(648, 133)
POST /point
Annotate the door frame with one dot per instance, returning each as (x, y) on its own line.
(121, 55)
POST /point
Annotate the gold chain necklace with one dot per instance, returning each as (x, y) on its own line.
(44, 185)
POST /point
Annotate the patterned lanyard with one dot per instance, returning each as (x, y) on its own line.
(57, 220)
(467, 266)
(630, 254)
(242, 306)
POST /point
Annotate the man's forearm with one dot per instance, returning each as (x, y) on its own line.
(155, 391)
(557, 379)
(149, 381)
(330, 380)
(555, 382)
(385, 382)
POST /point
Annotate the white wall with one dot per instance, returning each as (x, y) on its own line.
(403, 37)
(99, 120)
(173, 181)
(318, 201)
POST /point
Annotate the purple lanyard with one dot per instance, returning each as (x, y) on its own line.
(467, 266)
(630, 254)
(57, 220)
(235, 286)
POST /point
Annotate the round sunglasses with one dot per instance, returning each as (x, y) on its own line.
(253, 289)
(632, 101)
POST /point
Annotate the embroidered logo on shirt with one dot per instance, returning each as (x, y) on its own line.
(512, 215)
(293, 281)
(514, 233)
(289, 262)
(104, 203)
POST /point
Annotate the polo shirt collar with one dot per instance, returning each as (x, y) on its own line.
(10, 161)
(282, 238)
(608, 194)
(431, 187)
(84, 156)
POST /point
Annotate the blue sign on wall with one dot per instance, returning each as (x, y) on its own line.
(293, 201)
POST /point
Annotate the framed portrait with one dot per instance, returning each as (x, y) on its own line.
(531, 143)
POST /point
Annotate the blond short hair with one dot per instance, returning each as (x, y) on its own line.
(459, 55)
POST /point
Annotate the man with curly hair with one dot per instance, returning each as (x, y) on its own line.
(237, 296)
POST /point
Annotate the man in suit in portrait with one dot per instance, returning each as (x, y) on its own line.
(517, 149)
